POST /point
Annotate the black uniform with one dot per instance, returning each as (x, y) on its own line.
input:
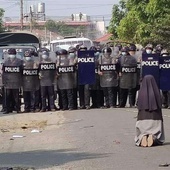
(84, 91)
(12, 79)
(96, 91)
(47, 71)
(128, 78)
(30, 80)
(108, 77)
(66, 79)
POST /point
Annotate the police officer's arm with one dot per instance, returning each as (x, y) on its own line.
(115, 61)
(118, 66)
(57, 65)
(99, 63)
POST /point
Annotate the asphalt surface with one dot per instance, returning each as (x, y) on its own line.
(99, 139)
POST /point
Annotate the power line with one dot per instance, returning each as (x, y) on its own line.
(9, 7)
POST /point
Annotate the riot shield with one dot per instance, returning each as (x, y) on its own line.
(47, 69)
(12, 72)
(1, 66)
(96, 85)
(86, 67)
(66, 73)
(109, 77)
(128, 78)
(164, 66)
(30, 74)
(150, 65)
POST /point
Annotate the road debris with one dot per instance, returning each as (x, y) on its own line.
(164, 165)
(18, 136)
(36, 131)
(4, 130)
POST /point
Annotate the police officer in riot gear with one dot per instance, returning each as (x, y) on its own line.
(12, 79)
(133, 91)
(158, 49)
(165, 94)
(128, 76)
(30, 80)
(37, 100)
(108, 77)
(66, 79)
(96, 91)
(72, 56)
(47, 72)
(83, 91)
(149, 49)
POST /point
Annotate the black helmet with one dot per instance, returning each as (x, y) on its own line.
(149, 46)
(119, 46)
(43, 49)
(12, 51)
(125, 49)
(72, 50)
(107, 50)
(33, 52)
(63, 52)
(132, 47)
(57, 52)
(27, 53)
(93, 48)
(159, 48)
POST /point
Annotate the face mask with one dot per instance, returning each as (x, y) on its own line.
(27, 58)
(12, 56)
(97, 54)
(123, 53)
(71, 55)
(44, 57)
(148, 51)
(164, 55)
(107, 55)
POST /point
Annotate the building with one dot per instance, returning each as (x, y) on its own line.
(85, 27)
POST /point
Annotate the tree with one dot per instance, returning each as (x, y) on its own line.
(145, 22)
(118, 12)
(51, 25)
(59, 27)
(128, 26)
(1, 22)
(161, 33)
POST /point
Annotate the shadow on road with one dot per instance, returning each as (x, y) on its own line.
(46, 158)
(166, 143)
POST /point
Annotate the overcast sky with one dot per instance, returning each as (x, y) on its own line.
(93, 8)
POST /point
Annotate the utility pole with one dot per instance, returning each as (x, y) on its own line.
(31, 19)
(21, 14)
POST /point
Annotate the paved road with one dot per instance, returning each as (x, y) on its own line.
(99, 139)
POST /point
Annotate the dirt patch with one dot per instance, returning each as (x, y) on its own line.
(16, 122)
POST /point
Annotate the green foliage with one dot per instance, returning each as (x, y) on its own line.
(146, 21)
(128, 26)
(1, 22)
(62, 29)
(161, 32)
(118, 13)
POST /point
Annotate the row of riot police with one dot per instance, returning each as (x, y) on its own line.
(41, 79)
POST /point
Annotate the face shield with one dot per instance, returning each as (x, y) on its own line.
(44, 57)
(107, 55)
